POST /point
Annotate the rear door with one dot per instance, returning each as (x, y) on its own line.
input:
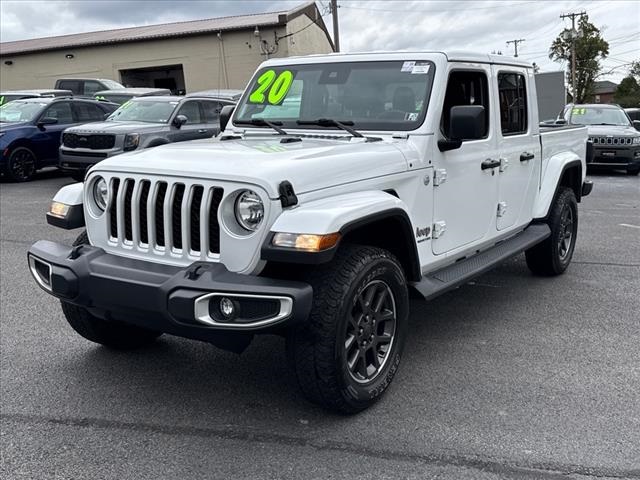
(86, 112)
(211, 110)
(518, 143)
(465, 194)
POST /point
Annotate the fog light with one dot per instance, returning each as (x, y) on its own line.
(227, 308)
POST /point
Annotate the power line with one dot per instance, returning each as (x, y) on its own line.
(573, 17)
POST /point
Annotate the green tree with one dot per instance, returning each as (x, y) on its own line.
(628, 93)
(590, 48)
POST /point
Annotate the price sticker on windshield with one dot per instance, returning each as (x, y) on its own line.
(271, 87)
(578, 111)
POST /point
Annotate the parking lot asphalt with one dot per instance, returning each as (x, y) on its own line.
(511, 376)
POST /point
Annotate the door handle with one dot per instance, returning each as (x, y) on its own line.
(489, 163)
(526, 156)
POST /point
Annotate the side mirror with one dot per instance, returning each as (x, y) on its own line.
(179, 121)
(225, 116)
(467, 122)
(636, 124)
(561, 121)
(46, 121)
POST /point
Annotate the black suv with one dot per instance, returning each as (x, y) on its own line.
(30, 130)
(613, 135)
(141, 122)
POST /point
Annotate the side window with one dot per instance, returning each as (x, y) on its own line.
(465, 88)
(61, 111)
(191, 110)
(211, 111)
(86, 112)
(513, 103)
(73, 85)
(91, 87)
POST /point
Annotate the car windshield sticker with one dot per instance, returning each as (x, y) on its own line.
(420, 68)
(1, 99)
(100, 97)
(271, 88)
(578, 111)
(126, 104)
(407, 66)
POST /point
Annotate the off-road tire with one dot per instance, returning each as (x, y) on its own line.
(552, 257)
(112, 334)
(317, 350)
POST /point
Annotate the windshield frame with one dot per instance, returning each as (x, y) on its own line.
(383, 125)
(143, 100)
(593, 107)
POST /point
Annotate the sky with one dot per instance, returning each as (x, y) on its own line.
(481, 26)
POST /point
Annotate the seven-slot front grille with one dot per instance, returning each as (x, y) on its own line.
(164, 215)
(611, 140)
(93, 141)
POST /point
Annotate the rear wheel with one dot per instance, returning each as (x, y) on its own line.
(553, 256)
(109, 333)
(21, 165)
(348, 353)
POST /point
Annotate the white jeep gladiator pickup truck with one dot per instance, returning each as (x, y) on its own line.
(341, 183)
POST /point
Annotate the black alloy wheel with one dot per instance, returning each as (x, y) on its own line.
(22, 165)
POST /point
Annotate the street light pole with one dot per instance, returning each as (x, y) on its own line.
(336, 33)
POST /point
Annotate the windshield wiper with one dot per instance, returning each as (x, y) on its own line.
(330, 122)
(261, 122)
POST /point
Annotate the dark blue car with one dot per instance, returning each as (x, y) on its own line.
(30, 131)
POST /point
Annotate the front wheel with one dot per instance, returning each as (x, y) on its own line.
(21, 165)
(348, 353)
(553, 256)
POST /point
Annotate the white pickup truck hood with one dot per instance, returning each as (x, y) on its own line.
(310, 164)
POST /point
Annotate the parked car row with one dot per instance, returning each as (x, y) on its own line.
(31, 127)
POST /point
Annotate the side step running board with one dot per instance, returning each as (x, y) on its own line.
(441, 281)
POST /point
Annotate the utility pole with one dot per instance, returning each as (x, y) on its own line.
(573, 17)
(336, 34)
(515, 44)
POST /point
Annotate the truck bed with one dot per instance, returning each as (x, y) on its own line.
(562, 138)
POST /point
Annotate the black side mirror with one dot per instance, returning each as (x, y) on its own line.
(179, 121)
(225, 116)
(636, 124)
(467, 122)
(46, 121)
(561, 121)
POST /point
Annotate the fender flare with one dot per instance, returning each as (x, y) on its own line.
(346, 214)
(553, 178)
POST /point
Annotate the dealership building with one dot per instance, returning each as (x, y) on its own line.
(182, 56)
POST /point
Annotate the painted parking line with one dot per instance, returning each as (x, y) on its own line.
(629, 226)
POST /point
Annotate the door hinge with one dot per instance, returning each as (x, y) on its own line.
(502, 209)
(504, 164)
(438, 229)
(439, 176)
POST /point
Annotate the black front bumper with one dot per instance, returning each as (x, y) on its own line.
(604, 156)
(167, 298)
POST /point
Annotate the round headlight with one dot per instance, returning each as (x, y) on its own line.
(249, 210)
(100, 193)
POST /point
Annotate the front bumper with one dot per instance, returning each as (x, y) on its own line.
(615, 156)
(175, 300)
(81, 159)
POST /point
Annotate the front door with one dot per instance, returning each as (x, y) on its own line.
(194, 128)
(519, 148)
(465, 202)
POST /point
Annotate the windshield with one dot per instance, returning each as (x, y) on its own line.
(143, 111)
(598, 116)
(373, 95)
(111, 84)
(18, 111)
